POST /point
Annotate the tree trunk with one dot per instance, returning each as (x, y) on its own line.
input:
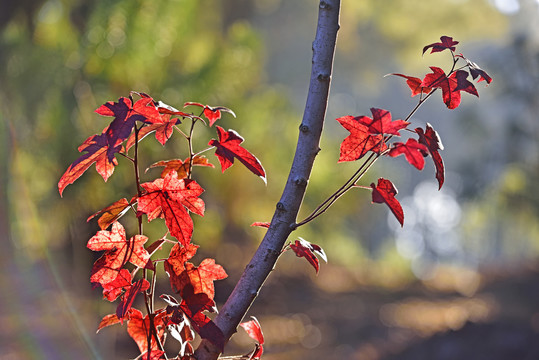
(284, 218)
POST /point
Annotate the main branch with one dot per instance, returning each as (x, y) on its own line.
(287, 208)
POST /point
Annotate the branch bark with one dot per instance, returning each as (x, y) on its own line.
(284, 218)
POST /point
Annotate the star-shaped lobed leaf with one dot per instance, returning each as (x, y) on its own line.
(446, 42)
(171, 198)
(201, 277)
(98, 152)
(118, 251)
(412, 150)
(381, 123)
(183, 273)
(228, 147)
(175, 263)
(360, 141)
(451, 86)
(163, 131)
(125, 115)
(384, 192)
(430, 138)
(113, 289)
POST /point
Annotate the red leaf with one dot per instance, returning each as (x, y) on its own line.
(204, 326)
(447, 42)
(253, 329)
(228, 147)
(113, 289)
(108, 320)
(171, 198)
(138, 328)
(182, 167)
(211, 113)
(202, 277)
(305, 249)
(129, 296)
(451, 86)
(381, 123)
(360, 141)
(412, 150)
(414, 84)
(175, 263)
(125, 115)
(385, 192)
(183, 273)
(178, 325)
(118, 251)
(463, 84)
(476, 71)
(261, 224)
(163, 131)
(431, 139)
(111, 213)
(192, 307)
(169, 110)
(156, 245)
(98, 152)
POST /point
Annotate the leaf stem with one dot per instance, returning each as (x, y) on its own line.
(190, 142)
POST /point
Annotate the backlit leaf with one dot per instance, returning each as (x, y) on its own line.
(432, 141)
(129, 296)
(254, 330)
(412, 150)
(182, 167)
(108, 320)
(381, 123)
(118, 251)
(414, 84)
(111, 213)
(138, 327)
(228, 147)
(451, 86)
(98, 152)
(303, 248)
(360, 141)
(446, 42)
(384, 192)
(211, 113)
(171, 198)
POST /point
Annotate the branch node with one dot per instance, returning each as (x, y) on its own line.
(280, 206)
(304, 128)
(301, 181)
(324, 77)
(324, 5)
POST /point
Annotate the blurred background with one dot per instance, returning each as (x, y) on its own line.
(459, 281)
